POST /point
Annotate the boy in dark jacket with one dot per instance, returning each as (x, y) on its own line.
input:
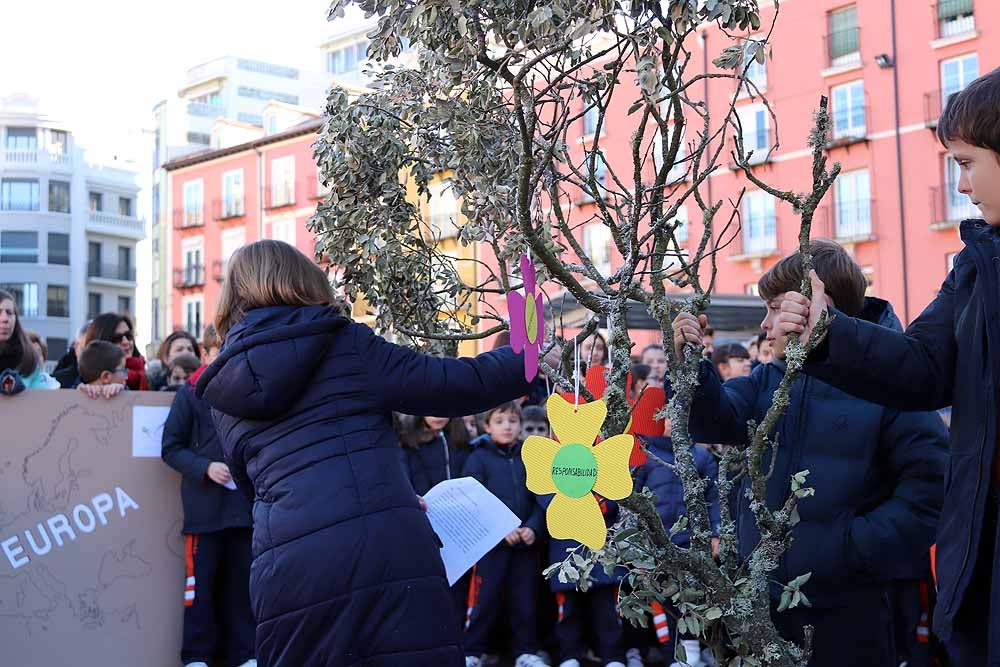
(669, 490)
(217, 615)
(510, 570)
(596, 608)
(948, 356)
(877, 475)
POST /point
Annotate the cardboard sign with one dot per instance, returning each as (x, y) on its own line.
(91, 555)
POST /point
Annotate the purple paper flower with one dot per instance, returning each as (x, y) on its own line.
(526, 324)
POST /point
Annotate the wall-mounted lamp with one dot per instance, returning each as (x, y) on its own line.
(883, 60)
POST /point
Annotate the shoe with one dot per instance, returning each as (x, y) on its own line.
(196, 664)
(570, 663)
(252, 662)
(615, 664)
(491, 660)
(708, 657)
(633, 658)
(473, 661)
(530, 660)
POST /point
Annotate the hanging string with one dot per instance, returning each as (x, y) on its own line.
(611, 329)
(576, 374)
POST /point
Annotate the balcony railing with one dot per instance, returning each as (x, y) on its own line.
(759, 244)
(951, 207)
(123, 272)
(184, 219)
(219, 268)
(955, 17)
(843, 47)
(227, 209)
(34, 158)
(279, 196)
(847, 221)
(190, 276)
(207, 110)
(120, 223)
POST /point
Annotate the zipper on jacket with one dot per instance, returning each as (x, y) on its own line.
(447, 457)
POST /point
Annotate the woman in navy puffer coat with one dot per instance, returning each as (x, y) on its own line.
(346, 570)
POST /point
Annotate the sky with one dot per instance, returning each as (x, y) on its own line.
(100, 66)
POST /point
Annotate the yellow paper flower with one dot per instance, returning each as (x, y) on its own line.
(574, 469)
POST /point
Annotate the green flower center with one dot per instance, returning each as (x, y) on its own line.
(574, 470)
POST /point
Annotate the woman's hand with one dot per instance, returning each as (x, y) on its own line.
(219, 473)
(514, 537)
(527, 535)
(423, 503)
(101, 390)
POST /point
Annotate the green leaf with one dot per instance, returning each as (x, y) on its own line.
(635, 107)
(713, 614)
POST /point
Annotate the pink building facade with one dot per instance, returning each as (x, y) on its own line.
(226, 198)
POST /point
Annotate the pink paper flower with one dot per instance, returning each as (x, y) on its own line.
(526, 323)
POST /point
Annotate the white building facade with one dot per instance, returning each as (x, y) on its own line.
(68, 229)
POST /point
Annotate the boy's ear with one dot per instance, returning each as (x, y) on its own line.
(105, 377)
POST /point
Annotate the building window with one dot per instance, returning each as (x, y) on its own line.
(283, 230)
(844, 40)
(94, 258)
(58, 197)
(93, 305)
(679, 168)
(18, 194)
(756, 70)
(25, 297)
(232, 193)
(600, 173)
(232, 240)
(194, 267)
(752, 289)
(19, 247)
(124, 305)
(22, 139)
(849, 110)
(283, 181)
(442, 210)
(57, 301)
(125, 207)
(347, 59)
(58, 347)
(58, 248)
(58, 142)
(956, 74)
(199, 138)
(759, 228)
(192, 315)
(590, 117)
(267, 68)
(853, 218)
(959, 206)
(125, 270)
(756, 132)
(597, 245)
(194, 210)
(681, 232)
(266, 95)
(252, 118)
(955, 17)
(96, 200)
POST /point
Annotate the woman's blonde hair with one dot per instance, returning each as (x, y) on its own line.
(270, 273)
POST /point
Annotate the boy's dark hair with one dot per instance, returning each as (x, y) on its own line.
(709, 331)
(844, 280)
(651, 346)
(97, 357)
(640, 372)
(187, 361)
(723, 353)
(973, 115)
(510, 406)
(534, 413)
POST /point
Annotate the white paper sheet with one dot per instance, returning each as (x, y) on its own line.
(231, 485)
(469, 520)
(147, 430)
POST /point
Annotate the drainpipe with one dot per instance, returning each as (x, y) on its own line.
(899, 165)
(260, 192)
(704, 68)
